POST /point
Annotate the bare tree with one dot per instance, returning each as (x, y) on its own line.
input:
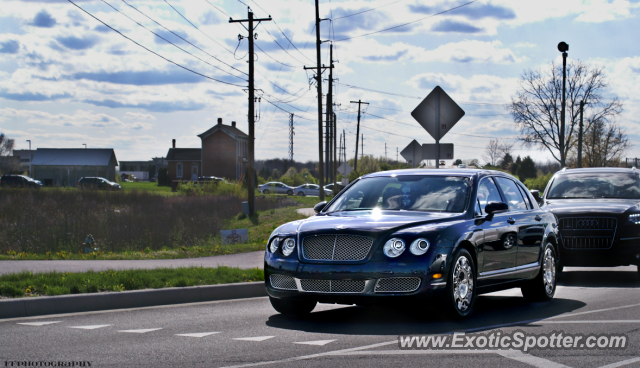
(492, 152)
(537, 106)
(505, 148)
(6, 145)
(604, 144)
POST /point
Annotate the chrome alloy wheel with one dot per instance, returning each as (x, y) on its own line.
(462, 284)
(509, 241)
(549, 269)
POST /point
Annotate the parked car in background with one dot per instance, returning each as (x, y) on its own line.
(330, 187)
(275, 187)
(97, 183)
(211, 179)
(403, 236)
(19, 181)
(310, 189)
(598, 211)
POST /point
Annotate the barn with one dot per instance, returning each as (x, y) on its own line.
(65, 166)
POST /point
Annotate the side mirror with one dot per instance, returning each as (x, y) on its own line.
(536, 195)
(318, 207)
(496, 207)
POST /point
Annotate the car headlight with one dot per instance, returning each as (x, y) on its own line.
(635, 218)
(419, 247)
(275, 244)
(393, 248)
(288, 246)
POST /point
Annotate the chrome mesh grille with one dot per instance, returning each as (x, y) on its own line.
(333, 286)
(283, 282)
(575, 242)
(336, 247)
(397, 285)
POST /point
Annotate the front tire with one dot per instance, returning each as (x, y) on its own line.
(290, 192)
(301, 194)
(543, 287)
(292, 307)
(461, 285)
(266, 191)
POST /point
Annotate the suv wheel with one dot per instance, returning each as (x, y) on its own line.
(543, 287)
(292, 307)
(461, 285)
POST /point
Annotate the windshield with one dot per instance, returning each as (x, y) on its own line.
(596, 185)
(410, 193)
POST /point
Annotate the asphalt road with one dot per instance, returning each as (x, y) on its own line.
(250, 333)
(241, 260)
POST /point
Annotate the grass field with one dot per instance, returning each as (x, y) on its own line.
(147, 187)
(27, 284)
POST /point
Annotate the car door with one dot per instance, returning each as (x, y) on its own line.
(500, 245)
(531, 232)
(523, 219)
(313, 190)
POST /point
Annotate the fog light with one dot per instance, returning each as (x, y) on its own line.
(437, 275)
(393, 248)
(419, 247)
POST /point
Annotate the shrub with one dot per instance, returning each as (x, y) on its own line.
(539, 183)
(163, 177)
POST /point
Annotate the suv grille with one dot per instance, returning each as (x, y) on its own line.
(588, 223)
(333, 286)
(397, 285)
(588, 232)
(336, 247)
(576, 242)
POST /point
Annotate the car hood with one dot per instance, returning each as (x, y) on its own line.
(600, 206)
(366, 221)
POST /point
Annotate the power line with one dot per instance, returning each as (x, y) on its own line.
(151, 51)
(279, 62)
(194, 26)
(405, 24)
(365, 11)
(182, 38)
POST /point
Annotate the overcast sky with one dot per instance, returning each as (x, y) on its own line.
(67, 79)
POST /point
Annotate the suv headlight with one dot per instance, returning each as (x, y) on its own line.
(393, 247)
(419, 247)
(275, 244)
(635, 218)
(288, 245)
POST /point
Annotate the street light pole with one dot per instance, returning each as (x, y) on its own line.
(85, 145)
(580, 132)
(563, 47)
(30, 158)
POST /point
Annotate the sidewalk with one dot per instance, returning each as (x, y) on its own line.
(240, 260)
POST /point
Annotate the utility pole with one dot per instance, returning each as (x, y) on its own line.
(580, 131)
(30, 158)
(355, 163)
(329, 121)
(397, 150)
(563, 48)
(335, 167)
(250, 176)
(318, 78)
(385, 151)
(362, 148)
(291, 134)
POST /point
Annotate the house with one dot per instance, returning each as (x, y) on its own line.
(225, 151)
(140, 169)
(65, 166)
(184, 163)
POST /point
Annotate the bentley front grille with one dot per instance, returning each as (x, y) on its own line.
(283, 282)
(588, 223)
(575, 242)
(336, 247)
(397, 285)
(333, 286)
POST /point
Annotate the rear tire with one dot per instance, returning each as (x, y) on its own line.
(292, 307)
(461, 285)
(301, 194)
(543, 287)
(290, 192)
(266, 191)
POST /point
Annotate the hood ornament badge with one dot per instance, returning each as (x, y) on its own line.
(340, 227)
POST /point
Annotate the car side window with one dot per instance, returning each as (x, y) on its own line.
(512, 193)
(527, 200)
(487, 192)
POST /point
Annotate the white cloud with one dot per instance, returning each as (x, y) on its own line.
(138, 116)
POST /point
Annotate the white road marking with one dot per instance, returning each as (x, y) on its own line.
(622, 363)
(318, 342)
(257, 338)
(93, 327)
(141, 331)
(37, 323)
(530, 359)
(198, 334)
(602, 321)
(595, 311)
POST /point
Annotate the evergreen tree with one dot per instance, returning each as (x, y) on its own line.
(527, 169)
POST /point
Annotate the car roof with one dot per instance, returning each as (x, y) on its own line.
(479, 173)
(598, 170)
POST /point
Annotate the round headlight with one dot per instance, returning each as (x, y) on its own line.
(275, 244)
(419, 247)
(393, 248)
(288, 246)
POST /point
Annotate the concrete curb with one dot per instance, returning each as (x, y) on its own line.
(38, 306)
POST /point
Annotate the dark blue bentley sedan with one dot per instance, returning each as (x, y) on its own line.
(412, 234)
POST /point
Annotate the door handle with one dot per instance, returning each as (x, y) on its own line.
(538, 217)
(511, 220)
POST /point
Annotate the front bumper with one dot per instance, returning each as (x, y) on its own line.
(623, 252)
